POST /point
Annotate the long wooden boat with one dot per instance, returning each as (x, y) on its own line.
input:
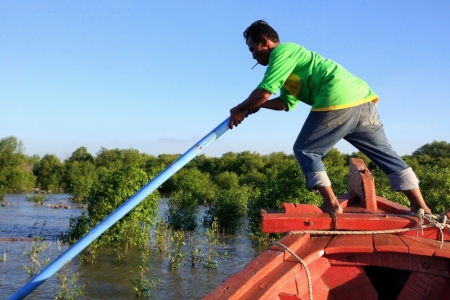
(376, 249)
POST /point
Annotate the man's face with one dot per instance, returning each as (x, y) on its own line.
(259, 51)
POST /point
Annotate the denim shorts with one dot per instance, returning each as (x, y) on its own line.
(360, 126)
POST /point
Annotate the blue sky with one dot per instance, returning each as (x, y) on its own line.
(159, 75)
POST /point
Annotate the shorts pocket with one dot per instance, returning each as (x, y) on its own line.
(374, 118)
(334, 118)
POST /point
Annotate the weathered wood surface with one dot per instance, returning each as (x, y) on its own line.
(349, 283)
(403, 261)
(389, 243)
(350, 244)
(285, 222)
(425, 286)
(361, 181)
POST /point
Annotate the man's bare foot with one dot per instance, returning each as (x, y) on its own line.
(426, 210)
(415, 198)
(330, 208)
(330, 203)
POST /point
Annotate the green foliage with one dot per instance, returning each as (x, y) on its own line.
(80, 155)
(3, 191)
(167, 159)
(90, 254)
(181, 213)
(212, 244)
(38, 199)
(15, 167)
(227, 180)
(362, 156)
(143, 286)
(383, 188)
(49, 172)
(334, 159)
(433, 152)
(195, 255)
(288, 185)
(80, 173)
(435, 187)
(229, 207)
(67, 289)
(191, 188)
(176, 254)
(79, 226)
(34, 254)
(113, 175)
(114, 159)
(339, 179)
(161, 230)
(254, 178)
(195, 182)
(114, 189)
(105, 196)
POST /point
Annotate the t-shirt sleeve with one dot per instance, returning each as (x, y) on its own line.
(288, 99)
(279, 68)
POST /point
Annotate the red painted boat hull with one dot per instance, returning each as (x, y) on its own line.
(370, 266)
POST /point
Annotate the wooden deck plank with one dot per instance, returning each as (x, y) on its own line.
(403, 261)
(347, 199)
(320, 291)
(416, 246)
(316, 270)
(443, 252)
(392, 207)
(291, 241)
(284, 222)
(389, 243)
(286, 296)
(275, 282)
(282, 277)
(424, 286)
(312, 249)
(349, 283)
(353, 209)
(439, 251)
(241, 282)
(350, 244)
(300, 208)
(429, 233)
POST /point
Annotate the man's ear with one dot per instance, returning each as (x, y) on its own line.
(264, 41)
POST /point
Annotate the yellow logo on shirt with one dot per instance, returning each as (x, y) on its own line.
(293, 84)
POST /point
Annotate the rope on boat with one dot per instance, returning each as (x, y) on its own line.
(308, 276)
(439, 221)
(434, 219)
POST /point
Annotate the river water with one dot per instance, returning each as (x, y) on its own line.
(105, 279)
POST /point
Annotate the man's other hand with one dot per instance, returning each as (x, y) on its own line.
(236, 116)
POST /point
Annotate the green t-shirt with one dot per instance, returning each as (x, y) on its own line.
(302, 75)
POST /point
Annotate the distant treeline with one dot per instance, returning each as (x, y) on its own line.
(257, 180)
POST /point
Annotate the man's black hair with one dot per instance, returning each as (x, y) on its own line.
(258, 29)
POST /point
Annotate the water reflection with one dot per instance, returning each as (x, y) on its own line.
(105, 279)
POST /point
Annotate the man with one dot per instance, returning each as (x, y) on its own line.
(343, 107)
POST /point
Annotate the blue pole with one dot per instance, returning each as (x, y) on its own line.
(121, 211)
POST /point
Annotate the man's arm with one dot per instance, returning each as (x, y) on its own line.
(274, 104)
(239, 112)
